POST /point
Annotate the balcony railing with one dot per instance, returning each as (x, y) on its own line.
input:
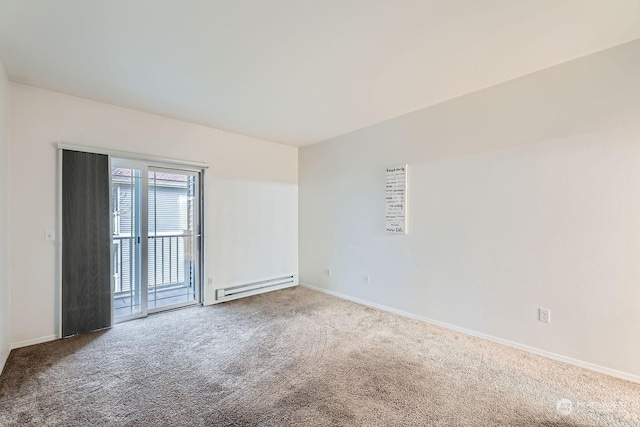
(169, 264)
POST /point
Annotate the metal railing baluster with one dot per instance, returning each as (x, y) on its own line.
(120, 275)
(162, 248)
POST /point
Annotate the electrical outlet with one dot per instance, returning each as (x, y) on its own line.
(210, 281)
(544, 315)
(327, 272)
(49, 235)
(365, 279)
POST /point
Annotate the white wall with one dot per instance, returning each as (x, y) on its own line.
(5, 307)
(523, 195)
(251, 194)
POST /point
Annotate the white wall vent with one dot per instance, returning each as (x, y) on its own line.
(256, 287)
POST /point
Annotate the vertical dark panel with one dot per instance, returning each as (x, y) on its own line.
(86, 248)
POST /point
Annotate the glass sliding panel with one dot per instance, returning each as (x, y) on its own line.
(126, 209)
(173, 238)
(156, 238)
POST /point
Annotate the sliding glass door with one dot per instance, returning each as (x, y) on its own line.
(156, 238)
(126, 194)
(173, 270)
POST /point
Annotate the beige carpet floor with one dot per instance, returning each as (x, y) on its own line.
(299, 358)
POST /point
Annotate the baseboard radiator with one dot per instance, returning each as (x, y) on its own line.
(253, 288)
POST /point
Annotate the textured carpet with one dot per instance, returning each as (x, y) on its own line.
(299, 358)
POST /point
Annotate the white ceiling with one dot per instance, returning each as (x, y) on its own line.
(296, 71)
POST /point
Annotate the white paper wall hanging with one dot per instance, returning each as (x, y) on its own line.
(396, 199)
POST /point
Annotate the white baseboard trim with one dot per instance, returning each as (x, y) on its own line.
(4, 357)
(568, 360)
(15, 345)
(34, 341)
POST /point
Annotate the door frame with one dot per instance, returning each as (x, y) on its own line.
(142, 256)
